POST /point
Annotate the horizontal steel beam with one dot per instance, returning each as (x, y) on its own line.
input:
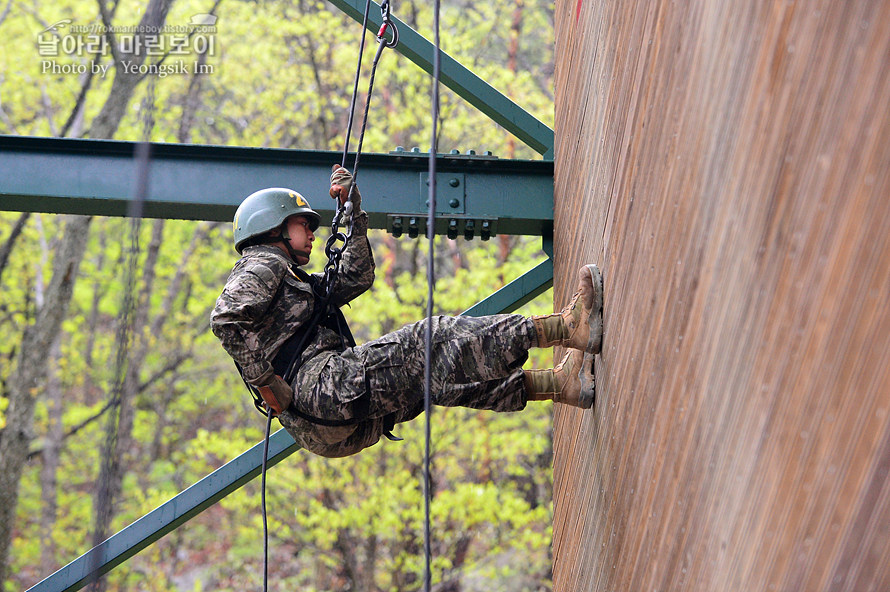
(97, 177)
(186, 505)
(458, 78)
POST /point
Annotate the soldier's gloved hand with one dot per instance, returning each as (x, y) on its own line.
(341, 181)
(278, 395)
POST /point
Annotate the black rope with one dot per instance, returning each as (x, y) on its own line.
(334, 253)
(358, 73)
(382, 43)
(263, 503)
(431, 278)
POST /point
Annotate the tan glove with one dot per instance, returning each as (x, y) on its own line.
(278, 395)
(341, 181)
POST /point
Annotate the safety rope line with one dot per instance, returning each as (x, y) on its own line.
(334, 253)
(358, 73)
(430, 279)
(263, 502)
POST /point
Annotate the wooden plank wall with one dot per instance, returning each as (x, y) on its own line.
(727, 163)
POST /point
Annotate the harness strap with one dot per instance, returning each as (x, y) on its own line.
(290, 357)
(388, 420)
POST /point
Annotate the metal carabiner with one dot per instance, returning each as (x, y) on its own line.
(381, 34)
(387, 23)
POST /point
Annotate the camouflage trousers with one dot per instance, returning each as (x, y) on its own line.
(476, 363)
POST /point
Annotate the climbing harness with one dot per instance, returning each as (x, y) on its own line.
(287, 362)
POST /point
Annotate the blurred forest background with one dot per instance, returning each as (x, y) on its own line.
(104, 322)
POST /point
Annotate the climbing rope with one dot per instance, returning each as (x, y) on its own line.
(263, 502)
(430, 279)
(333, 252)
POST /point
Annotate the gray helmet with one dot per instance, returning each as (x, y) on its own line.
(266, 210)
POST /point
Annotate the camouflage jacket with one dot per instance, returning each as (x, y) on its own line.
(264, 303)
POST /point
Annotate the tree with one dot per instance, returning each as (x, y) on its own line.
(30, 372)
(28, 379)
(8, 245)
(352, 523)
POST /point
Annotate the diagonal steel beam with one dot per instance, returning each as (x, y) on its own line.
(186, 505)
(461, 80)
(518, 292)
(180, 509)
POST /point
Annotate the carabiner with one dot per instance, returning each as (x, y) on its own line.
(381, 34)
(387, 23)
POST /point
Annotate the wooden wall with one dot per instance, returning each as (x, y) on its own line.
(727, 163)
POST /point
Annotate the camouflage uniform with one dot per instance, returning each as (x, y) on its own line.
(477, 362)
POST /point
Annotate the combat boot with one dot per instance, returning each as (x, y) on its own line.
(580, 324)
(565, 383)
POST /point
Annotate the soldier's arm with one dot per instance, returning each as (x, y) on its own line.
(240, 312)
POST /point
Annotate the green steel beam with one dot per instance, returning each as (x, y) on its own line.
(518, 292)
(458, 78)
(186, 505)
(181, 508)
(208, 182)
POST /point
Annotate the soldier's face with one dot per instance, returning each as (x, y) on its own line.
(301, 238)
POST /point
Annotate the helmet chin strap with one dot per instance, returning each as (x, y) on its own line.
(282, 237)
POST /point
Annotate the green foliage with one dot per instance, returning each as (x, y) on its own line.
(281, 76)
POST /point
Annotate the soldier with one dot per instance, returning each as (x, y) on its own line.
(345, 397)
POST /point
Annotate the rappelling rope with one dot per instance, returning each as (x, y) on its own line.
(358, 73)
(263, 502)
(430, 279)
(333, 252)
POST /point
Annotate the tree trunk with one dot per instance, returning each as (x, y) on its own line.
(126, 80)
(48, 483)
(99, 291)
(29, 377)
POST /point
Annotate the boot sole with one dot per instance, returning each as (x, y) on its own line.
(588, 382)
(567, 372)
(595, 320)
